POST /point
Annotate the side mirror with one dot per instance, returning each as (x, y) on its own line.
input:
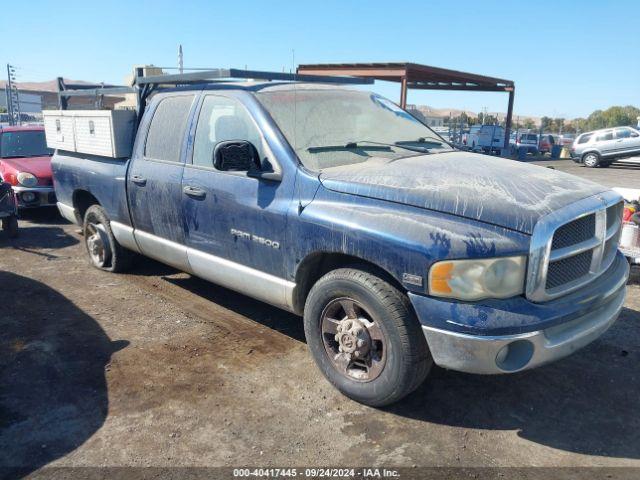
(236, 156)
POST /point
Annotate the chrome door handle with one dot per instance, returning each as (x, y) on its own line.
(194, 192)
(138, 180)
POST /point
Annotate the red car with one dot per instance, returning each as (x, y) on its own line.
(546, 143)
(25, 163)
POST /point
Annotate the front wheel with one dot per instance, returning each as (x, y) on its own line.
(364, 337)
(104, 250)
(591, 160)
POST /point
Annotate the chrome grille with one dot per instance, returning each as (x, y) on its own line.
(572, 246)
(614, 213)
(574, 232)
(568, 269)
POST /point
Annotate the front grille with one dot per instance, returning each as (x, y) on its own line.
(574, 232)
(614, 213)
(568, 269)
(573, 246)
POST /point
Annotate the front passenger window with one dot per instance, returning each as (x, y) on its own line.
(623, 133)
(222, 119)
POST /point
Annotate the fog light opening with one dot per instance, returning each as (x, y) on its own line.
(515, 355)
(28, 197)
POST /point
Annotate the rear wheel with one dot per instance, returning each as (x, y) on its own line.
(104, 250)
(591, 160)
(364, 337)
(10, 226)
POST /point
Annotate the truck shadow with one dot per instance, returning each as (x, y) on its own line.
(39, 238)
(52, 373)
(271, 317)
(586, 403)
(43, 215)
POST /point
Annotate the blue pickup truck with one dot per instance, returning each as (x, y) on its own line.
(333, 203)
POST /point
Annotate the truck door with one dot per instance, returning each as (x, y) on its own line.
(154, 181)
(235, 224)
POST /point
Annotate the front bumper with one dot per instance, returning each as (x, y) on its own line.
(548, 332)
(41, 196)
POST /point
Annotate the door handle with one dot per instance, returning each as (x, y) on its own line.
(194, 192)
(138, 180)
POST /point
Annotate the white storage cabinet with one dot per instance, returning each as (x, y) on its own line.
(107, 133)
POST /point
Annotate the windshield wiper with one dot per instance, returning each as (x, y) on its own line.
(421, 140)
(365, 145)
(349, 146)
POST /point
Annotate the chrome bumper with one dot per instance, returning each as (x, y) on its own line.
(44, 196)
(513, 353)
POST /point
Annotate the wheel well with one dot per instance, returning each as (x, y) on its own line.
(314, 266)
(82, 200)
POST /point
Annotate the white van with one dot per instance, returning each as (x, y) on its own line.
(487, 138)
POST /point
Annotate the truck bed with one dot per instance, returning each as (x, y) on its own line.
(101, 177)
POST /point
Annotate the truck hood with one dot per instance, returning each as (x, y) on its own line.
(502, 192)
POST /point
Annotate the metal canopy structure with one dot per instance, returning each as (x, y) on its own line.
(421, 77)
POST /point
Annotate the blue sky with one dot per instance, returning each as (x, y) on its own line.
(566, 57)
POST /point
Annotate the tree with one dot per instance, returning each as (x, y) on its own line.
(611, 117)
(545, 123)
(528, 124)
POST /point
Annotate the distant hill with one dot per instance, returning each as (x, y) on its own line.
(428, 111)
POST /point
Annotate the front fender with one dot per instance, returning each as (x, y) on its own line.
(403, 240)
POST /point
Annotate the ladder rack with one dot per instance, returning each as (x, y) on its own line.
(145, 85)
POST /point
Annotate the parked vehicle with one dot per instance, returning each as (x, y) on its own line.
(486, 138)
(526, 140)
(567, 139)
(25, 163)
(601, 148)
(398, 250)
(8, 210)
(547, 141)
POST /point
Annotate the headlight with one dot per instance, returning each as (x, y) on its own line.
(27, 179)
(477, 279)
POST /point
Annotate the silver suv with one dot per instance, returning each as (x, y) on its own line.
(603, 147)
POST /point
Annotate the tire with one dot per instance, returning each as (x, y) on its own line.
(10, 226)
(396, 341)
(97, 234)
(591, 160)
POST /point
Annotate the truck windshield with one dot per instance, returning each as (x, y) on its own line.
(336, 127)
(23, 144)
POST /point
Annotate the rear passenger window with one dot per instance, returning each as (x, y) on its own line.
(222, 119)
(168, 125)
(585, 138)
(605, 136)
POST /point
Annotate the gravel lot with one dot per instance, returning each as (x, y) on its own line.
(156, 368)
(625, 173)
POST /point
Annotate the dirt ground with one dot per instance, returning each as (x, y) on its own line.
(156, 368)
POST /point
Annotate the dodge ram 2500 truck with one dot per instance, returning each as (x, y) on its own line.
(334, 203)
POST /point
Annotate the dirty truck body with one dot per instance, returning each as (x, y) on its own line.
(397, 253)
